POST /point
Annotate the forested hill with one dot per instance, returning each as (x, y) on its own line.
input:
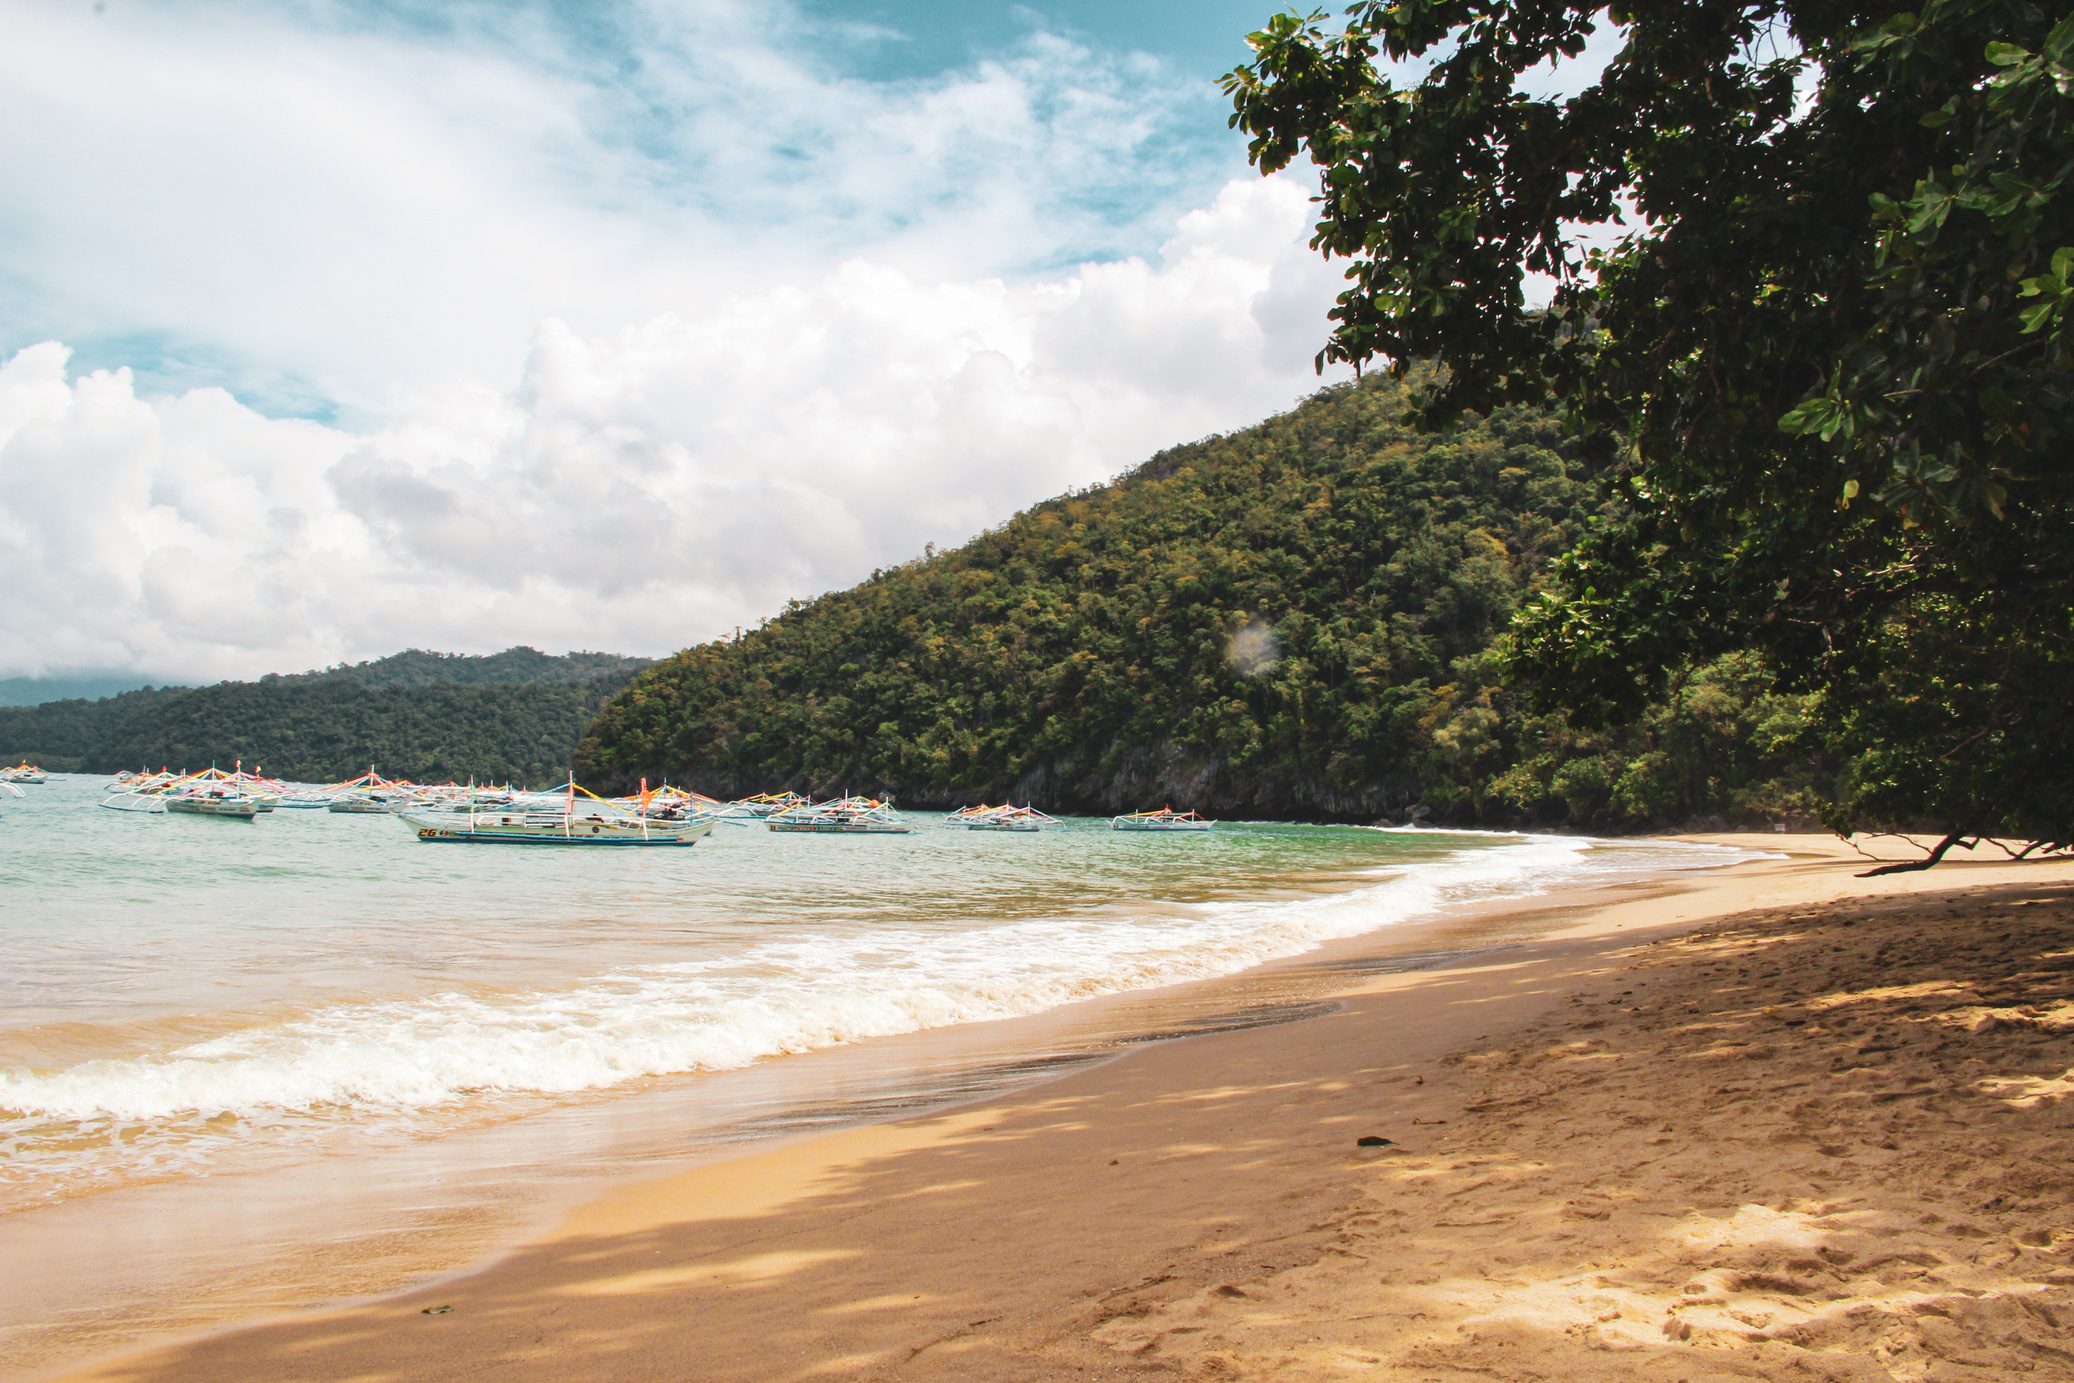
(1290, 621)
(415, 667)
(511, 716)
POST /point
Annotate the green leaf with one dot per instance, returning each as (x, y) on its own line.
(1808, 417)
(1930, 213)
(2006, 54)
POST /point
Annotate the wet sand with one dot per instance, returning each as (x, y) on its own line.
(1774, 1122)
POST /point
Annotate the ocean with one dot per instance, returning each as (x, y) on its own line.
(313, 1024)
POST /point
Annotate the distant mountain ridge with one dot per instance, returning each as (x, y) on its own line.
(88, 686)
(516, 666)
(512, 716)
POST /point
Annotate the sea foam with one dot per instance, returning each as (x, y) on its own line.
(769, 998)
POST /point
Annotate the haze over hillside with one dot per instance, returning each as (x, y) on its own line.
(87, 686)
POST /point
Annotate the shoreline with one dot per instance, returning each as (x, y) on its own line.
(660, 1271)
(129, 1267)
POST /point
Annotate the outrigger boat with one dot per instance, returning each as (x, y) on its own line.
(1006, 817)
(216, 793)
(301, 797)
(767, 804)
(372, 793)
(846, 815)
(304, 801)
(142, 792)
(24, 772)
(212, 792)
(220, 800)
(594, 822)
(488, 799)
(269, 791)
(1165, 819)
(666, 803)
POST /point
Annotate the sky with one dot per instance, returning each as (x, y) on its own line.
(334, 327)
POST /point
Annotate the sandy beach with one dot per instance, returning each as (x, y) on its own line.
(1777, 1122)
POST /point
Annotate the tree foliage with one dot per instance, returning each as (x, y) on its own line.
(1826, 365)
(1292, 620)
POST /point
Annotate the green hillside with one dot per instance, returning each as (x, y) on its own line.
(62, 734)
(511, 716)
(1291, 621)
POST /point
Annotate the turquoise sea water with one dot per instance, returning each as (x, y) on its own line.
(181, 994)
(251, 1066)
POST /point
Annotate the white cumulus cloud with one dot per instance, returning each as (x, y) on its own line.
(320, 200)
(635, 489)
(626, 322)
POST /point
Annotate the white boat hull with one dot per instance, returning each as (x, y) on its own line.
(209, 806)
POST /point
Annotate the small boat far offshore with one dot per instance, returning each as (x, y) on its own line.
(1165, 819)
(371, 794)
(849, 816)
(594, 822)
(1002, 818)
(212, 792)
(767, 804)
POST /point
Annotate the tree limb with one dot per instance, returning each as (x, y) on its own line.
(1911, 866)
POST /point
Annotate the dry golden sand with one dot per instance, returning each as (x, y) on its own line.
(1790, 1125)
